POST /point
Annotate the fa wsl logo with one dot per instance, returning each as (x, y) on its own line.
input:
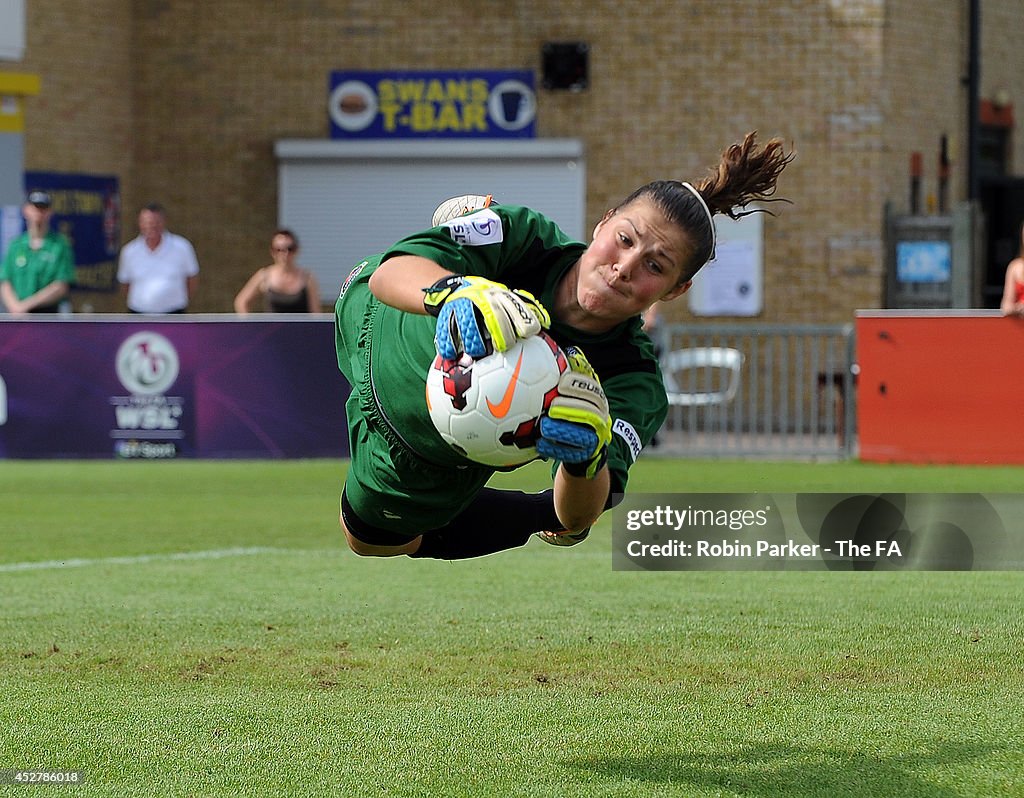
(147, 365)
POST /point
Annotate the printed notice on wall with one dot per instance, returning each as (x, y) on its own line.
(733, 283)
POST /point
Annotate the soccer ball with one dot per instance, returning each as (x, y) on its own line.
(489, 409)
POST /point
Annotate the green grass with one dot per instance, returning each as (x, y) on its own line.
(292, 667)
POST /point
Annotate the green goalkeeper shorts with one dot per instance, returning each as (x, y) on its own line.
(391, 484)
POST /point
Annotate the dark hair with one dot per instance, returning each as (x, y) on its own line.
(284, 231)
(745, 173)
(155, 207)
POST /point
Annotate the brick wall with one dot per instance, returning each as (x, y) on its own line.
(185, 98)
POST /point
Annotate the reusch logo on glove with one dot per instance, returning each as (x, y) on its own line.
(524, 313)
(585, 383)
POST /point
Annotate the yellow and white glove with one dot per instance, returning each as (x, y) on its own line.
(467, 307)
(577, 427)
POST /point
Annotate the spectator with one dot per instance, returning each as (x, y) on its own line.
(39, 266)
(284, 286)
(1013, 288)
(158, 270)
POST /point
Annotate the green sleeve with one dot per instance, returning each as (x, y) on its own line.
(638, 407)
(523, 233)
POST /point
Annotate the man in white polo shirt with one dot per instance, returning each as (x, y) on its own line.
(158, 270)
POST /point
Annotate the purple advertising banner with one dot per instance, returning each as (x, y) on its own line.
(193, 386)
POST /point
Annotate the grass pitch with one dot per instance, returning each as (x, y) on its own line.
(197, 628)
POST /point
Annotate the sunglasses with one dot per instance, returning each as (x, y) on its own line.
(288, 248)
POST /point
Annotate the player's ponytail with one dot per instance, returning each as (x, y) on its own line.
(746, 173)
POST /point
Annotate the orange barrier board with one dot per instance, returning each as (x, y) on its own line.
(940, 387)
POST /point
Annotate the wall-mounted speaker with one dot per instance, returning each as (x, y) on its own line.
(565, 65)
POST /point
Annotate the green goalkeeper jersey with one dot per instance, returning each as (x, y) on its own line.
(522, 249)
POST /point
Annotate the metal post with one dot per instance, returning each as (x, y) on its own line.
(973, 93)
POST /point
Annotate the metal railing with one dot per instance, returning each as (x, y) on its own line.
(771, 390)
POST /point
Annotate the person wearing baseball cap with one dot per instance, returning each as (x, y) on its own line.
(39, 267)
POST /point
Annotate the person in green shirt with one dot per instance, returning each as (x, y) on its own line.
(479, 280)
(38, 267)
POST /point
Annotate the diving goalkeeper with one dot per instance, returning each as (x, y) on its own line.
(483, 276)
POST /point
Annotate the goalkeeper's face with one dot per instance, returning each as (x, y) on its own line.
(635, 259)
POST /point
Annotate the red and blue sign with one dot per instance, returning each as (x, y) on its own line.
(414, 104)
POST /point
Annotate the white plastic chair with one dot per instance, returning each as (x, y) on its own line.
(702, 360)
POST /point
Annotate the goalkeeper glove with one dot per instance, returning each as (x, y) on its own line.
(577, 427)
(467, 306)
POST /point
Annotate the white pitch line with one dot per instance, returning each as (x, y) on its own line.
(211, 554)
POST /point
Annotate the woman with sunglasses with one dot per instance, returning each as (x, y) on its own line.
(283, 286)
